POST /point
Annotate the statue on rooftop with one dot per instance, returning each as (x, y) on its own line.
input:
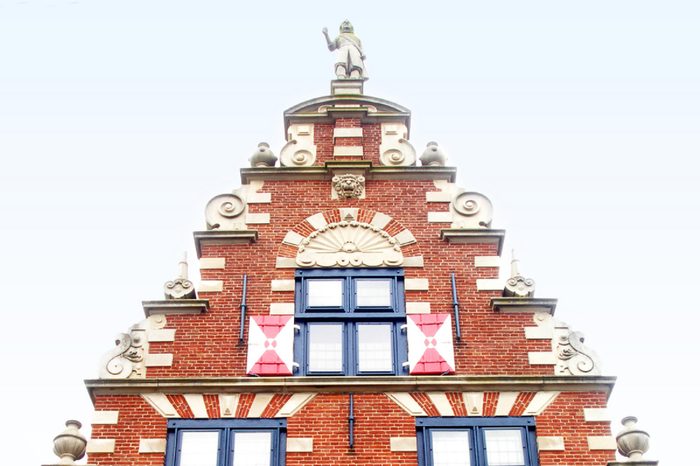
(349, 57)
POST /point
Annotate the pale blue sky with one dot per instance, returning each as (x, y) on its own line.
(120, 120)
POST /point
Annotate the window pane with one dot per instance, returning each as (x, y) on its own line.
(373, 293)
(450, 447)
(199, 448)
(325, 293)
(504, 447)
(325, 348)
(374, 348)
(252, 448)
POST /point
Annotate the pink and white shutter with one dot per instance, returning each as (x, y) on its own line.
(270, 346)
(430, 348)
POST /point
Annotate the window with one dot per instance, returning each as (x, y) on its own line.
(350, 322)
(476, 441)
(226, 442)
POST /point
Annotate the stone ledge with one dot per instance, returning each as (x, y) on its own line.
(472, 236)
(175, 306)
(326, 172)
(223, 237)
(524, 305)
(375, 384)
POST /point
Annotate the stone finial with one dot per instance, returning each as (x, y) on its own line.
(70, 444)
(433, 156)
(632, 443)
(181, 287)
(518, 286)
(349, 63)
(263, 156)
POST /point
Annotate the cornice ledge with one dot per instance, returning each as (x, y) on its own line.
(352, 384)
(175, 306)
(473, 235)
(223, 237)
(326, 172)
(523, 304)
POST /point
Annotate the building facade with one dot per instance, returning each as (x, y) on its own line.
(350, 312)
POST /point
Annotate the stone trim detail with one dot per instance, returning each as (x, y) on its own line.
(102, 445)
(403, 444)
(295, 404)
(210, 286)
(474, 403)
(487, 261)
(228, 404)
(158, 360)
(282, 308)
(347, 132)
(300, 444)
(489, 284)
(596, 415)
(161, 404)
(152, 445)
(348, 151)
(317, 221)
(380, 220)
(417, 308)
(282, 285)
(105, 418)
(405, 237)
(161, 335)
(470, 210)
(505, 403)
(260, 402)
(540, 403)
(441, 403)
(550, 443)
(439, 217)
(229, 212)
(569, 355)
(300, 150)
(415, 261)
(394, 149)
(196, 404)
(257, 218)
(285, 263)
(130, 357)
(212, 263)
(293, 238)
(416, 284)
(407, 403)
(602, 442)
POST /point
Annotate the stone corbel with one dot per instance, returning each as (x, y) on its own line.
(395, 150)
(128, 359)
(300, 150)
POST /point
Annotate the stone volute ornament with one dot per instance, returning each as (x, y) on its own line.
(518, 286)
(632, 442)
(181, 287)
(349, 63)
(70, 444)
(433, 156)
(349, 186)
(263, 156)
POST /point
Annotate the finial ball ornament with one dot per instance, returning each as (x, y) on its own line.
(70, 444)
(433, 156)
(263, 156)
(631, 441)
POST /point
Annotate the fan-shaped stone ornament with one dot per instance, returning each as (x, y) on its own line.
(349, 244)
(471, 210)
(226, 212)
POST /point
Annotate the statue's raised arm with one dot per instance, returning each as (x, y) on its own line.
(349, 57)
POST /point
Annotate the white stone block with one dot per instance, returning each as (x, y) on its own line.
(417, 308)
(102, 445)
(351, 211)
(541, 358)
(259, 404)
(293, 238)
(285, 263)
(550, 443)
(505, 403)
(161, 335)
(347, 132)
(442, 404)
(282, 285)
(380, 220)
(208, 263)
(151, 445)
(596, 415)
(539, 333)
(300, 444)
(403, 444)
(161, 404)
(317, 221)
(348, 151)
(407, 403)
(282, 308)
(158, 360)
(474, 402)
(489, 284)
(539, 403)
(487, 261)
(440, 217)
(211, 286)
(257, 219)
(413, 261)
(416, 284)
(438, 196)
(196, 404)
(228, 404)
(602, 443)
(259, 198)
(405, 237)
(105, 417)
(294, 404)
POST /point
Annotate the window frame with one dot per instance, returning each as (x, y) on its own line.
(476, 425)
(350, 316)
(226, 429)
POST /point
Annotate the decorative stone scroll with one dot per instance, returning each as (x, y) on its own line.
(517, 285)
(349, 244)
(128, 359)
(229, 212)
(471, 210)
(395, 150)
(571, 356)
(349, 186)
(300, 150)
(181, 287)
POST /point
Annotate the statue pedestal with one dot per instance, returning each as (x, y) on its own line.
(348, 86)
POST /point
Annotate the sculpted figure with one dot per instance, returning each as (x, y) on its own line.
(349, 56)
